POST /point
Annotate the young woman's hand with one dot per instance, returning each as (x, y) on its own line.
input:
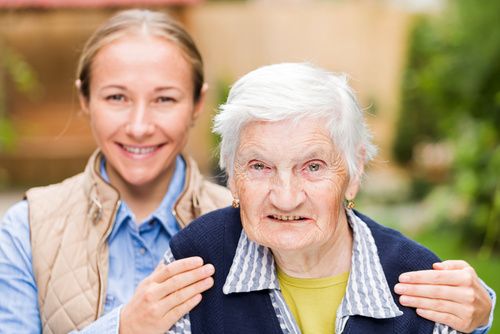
(452, 294)
(166, 295)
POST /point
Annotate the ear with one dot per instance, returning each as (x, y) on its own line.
(355, 180)
(200, 104)
(84, 102)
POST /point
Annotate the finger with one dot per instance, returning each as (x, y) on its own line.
(184, 279)
(443, 318)
(178, 312)
(451, 265)
(438, 277)
(437, 305)
(164, 271)
(181, 296)
(456, 294)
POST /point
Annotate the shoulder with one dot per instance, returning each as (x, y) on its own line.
(399, 254)
(15, 220)
(55, 196)
(212, 223)
(396, 249)
(15, 233)
(17, 210)
(210, 195)
(66, 186)
(207, 233)
(219, 193)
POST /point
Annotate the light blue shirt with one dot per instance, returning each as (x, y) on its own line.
(134, 252)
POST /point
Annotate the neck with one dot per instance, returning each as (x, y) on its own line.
(142, 199)
(329, 259)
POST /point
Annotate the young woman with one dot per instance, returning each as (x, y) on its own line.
(83, 254)
(80, 249)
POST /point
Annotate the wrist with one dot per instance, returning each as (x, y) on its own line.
(123, 327)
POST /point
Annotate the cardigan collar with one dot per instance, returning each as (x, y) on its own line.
(367, 293)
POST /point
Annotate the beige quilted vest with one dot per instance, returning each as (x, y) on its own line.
(70, 223)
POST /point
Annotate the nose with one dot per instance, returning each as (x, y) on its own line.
(287, 192)
(140, 124)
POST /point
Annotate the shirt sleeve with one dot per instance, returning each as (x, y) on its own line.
(19, 307)
(107, 324)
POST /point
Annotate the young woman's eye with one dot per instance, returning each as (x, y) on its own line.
(165, 99)
(116, 97)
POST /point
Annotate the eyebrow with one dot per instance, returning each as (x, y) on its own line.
(314, 154)
(114, 86)
(156, 90)
(311, 154)
(251, 152)
(162, 88)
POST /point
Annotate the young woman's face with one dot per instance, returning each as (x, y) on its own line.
(141, 107)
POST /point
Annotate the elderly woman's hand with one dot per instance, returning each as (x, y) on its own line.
(452, 295)
(166, 295)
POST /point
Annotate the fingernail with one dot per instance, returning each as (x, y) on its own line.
(399, 288)
(438, 265)
(209, 281)
(209, 269)
(404, 278)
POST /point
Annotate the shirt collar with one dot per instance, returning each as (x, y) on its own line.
(163, 213)
(367, 293)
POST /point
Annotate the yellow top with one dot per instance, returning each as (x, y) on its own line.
(313, 301)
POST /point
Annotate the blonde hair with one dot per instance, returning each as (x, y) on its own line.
(142, 21)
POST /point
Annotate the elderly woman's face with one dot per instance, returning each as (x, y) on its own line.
(291, 181)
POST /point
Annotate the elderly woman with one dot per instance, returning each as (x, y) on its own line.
(292, 255)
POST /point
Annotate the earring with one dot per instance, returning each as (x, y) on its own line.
(236, 203)
(349, 204)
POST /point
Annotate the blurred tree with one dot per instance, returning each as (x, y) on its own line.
(15, 68)
(451, 92)
(222, 88)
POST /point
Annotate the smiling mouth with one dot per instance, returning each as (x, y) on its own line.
(140, 150)
(286, 218)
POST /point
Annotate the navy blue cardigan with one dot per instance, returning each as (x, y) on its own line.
(214, 237)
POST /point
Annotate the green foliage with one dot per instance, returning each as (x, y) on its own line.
(20, 72)
(14, 67)
(451, 92)
(7, 134)
(222, 88)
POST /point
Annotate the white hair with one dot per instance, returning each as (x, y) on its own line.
(294, 91)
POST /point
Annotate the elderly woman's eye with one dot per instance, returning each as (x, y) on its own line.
(258, 166)
(314, 167)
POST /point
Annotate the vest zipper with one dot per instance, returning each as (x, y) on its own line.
(100, 304)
